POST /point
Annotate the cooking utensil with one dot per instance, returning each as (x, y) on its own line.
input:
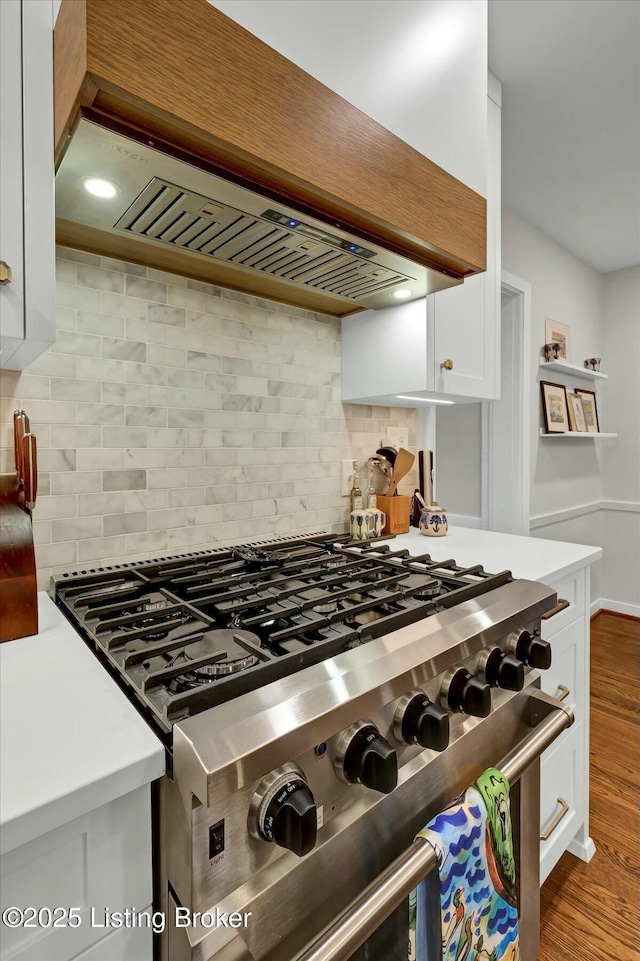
(420, 499)
(30, 467)
(20, 428)
(426, 463)
(402, 466)
(389, 452)
(382, 472)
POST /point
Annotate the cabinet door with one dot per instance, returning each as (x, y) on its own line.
(125, 944)
(384, 353)
(464, 322)
(99, 860)
(11, 191)
(562, 801)
(27, 237)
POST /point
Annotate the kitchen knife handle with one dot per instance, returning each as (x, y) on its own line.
(30, 455)
(20, 428)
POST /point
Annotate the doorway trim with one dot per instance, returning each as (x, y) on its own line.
(506, 424)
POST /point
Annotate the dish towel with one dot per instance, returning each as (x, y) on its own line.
(474, 890)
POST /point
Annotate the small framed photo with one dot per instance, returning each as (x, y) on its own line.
(557, 333)
(576, 413)
(590, 408)
(554, 405)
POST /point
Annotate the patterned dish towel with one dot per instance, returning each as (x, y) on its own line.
(474, 890)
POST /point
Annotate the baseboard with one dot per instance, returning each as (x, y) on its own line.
(625, 507)
(568, 514)
(583, 851)
(557, 517)
(606, 605)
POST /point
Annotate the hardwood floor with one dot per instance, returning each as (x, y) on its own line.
(591, 912)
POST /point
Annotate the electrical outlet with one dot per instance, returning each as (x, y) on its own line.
(397, 437)
(346, 478)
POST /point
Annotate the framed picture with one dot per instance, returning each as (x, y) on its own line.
(590, 408)
(554, 405)
(576, 413)
(557, 333)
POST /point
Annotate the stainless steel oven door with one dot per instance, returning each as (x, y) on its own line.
(376, 915)
(347, 901)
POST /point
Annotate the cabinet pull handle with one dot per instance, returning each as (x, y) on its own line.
(560, 606)
(564, 807)
(5, 273)
(447, 364)
(563, 692)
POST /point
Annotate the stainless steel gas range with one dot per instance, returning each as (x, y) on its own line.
(320, 701)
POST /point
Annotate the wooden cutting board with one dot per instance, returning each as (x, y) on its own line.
(18, 584)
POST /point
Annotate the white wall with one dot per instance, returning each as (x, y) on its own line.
(587, 491)
(459, 459)
(565, 473)
(419, 69)
(620, 395)
(620, 405)
(584, 491)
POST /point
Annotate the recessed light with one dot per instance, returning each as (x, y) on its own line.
(424, 400)
(100, 188)
(402, 294)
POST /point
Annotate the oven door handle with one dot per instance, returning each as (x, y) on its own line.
(366, 912)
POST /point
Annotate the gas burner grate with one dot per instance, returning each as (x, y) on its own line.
(185, 633)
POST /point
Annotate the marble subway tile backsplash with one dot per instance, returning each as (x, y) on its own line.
(172, 415)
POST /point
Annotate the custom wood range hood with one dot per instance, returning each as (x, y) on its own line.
(208, 131)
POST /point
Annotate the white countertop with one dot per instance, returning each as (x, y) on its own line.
(528, 557)
(70, 741)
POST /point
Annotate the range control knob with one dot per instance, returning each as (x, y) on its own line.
(363, 756)
(501, 670)
(463, 693)
(419, 721)
(283, 811)
(530, 649)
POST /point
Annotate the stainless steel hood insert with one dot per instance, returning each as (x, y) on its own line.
(163, 200)
(301, 254)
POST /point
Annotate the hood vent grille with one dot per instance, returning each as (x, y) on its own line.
(168, 214)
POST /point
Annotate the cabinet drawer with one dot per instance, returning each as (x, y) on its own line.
(568, 668)
(561, 798)
(102, 859)
(570, 589)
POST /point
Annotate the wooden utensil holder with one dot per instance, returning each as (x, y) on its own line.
(397, 509)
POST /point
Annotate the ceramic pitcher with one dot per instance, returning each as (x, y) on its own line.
(366, 524)
(433, 521)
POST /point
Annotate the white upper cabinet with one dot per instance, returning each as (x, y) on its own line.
(27, 236)
(448, 345)
(464, 322)
(417, 67)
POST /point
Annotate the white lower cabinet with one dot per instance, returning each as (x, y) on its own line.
(131, 944)
(564, 775)
(565, 678)
(561, 799)
(99, 861)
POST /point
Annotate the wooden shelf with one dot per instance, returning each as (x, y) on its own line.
(575, 435)
(565, 368)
